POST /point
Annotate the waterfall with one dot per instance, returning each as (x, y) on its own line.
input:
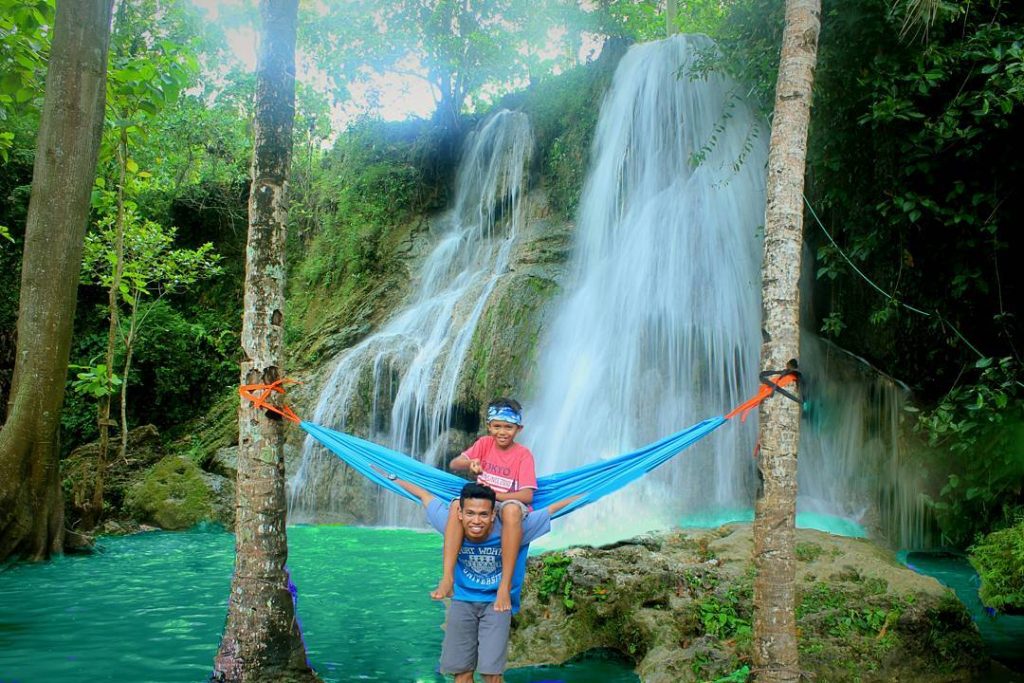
(401, 380)
(666, 286)
(659, 326)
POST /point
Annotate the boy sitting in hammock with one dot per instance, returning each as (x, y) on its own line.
(507, 467)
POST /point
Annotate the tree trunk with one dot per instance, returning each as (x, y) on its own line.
(129, 349)
(95, 509)
(775, 641)
(31, 502)
(670, 17)
(261, 640)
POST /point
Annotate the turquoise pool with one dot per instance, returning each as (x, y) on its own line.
(150, 608)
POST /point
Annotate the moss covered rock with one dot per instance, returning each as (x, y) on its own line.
(78, 472)
(680, 605)
(173, 494)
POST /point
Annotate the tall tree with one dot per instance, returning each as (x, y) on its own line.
(31, 503)
(261, 640)
(145, 77)
(775, 640)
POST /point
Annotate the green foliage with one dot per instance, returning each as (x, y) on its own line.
(374, 180)
(912, 163)
(25, 28)
(563, 116)
(470, 53)
(555, 581)
(999, 561)
(749, 36)
(151, 266)
(182, 365)
(841, 618)
(979, 427)
(91, 380)
(727, 615)
(740, 675)
(808, 552)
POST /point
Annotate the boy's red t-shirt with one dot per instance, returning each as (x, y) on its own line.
(505, 471)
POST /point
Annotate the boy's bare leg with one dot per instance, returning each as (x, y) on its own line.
(492, 678)
(452, 543)
(466, 677)
(511, 538)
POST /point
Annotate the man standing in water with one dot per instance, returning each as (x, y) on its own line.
(476, 637)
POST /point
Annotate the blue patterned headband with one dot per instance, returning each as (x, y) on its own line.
(505, 414)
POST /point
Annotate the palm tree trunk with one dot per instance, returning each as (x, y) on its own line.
(31, 502)
(775, 640)
(261, 640)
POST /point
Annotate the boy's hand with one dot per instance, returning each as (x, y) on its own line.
(476, 467)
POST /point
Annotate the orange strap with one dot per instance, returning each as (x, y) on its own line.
(260, 401)
(764, 392)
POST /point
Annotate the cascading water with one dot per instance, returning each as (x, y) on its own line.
(403, 378)
(660, 327)
(666, 288)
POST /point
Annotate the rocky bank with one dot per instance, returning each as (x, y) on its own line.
(679, 605)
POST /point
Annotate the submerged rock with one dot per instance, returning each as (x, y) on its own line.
(680, 606)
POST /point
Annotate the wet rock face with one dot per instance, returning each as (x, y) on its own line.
(504, 349)
(680, 604)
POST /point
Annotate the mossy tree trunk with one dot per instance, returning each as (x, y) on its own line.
(775, 640)
(261, 639)
(31, 502)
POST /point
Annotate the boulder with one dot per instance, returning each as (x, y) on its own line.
(224, 462)
(679, 605)
(78, 471)
(174, 494)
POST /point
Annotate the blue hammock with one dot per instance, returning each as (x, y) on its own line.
(592, 481)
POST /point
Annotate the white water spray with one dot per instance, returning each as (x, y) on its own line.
(666, 289)
(660, 328)
(410, 368)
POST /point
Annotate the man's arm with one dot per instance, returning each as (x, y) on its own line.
(424, 495)
(558, 505)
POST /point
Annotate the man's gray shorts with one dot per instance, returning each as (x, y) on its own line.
(475, 639)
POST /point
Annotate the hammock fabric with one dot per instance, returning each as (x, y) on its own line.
(591, 481)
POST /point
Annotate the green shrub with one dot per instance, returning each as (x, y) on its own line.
(999, 559)
(978, 430)
(555, 580)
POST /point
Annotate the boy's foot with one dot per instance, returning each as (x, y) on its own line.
(444, 589)
(503, 601)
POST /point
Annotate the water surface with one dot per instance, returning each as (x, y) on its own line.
(1003, 634)
(150, 608)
